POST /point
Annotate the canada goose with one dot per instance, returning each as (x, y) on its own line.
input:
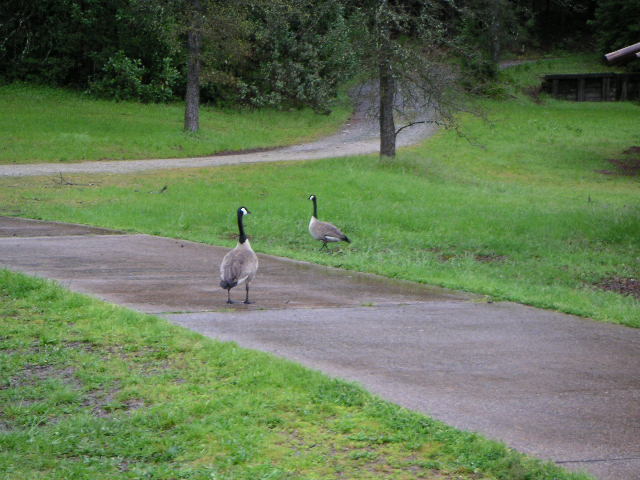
(324, 231)
(240, 264)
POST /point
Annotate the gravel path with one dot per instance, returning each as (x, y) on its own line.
(358, 136)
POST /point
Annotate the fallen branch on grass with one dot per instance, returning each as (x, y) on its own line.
(64, 181)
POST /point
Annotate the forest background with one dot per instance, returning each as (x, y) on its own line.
(282, 53)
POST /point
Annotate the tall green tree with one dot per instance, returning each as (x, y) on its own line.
(554, 24)
(405, 45)
(299, 53)
(486, 29)
(280, 53)
(195, 20)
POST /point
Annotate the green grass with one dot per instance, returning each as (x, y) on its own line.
(522, 214)
(93, 391)
(41, 124)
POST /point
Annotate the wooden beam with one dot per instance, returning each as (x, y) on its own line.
(581, 83)
(624, 54)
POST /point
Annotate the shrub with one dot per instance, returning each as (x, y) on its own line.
(122, 78)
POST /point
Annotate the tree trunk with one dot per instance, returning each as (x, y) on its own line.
(387, 95)
(495, 31)
(194, 45)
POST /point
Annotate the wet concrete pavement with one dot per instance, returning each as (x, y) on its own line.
(552, 385)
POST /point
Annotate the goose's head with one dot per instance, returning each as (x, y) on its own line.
(243, 211)
(312, 197)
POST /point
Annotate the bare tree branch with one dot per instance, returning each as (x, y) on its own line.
(64, 182)
(411, 125)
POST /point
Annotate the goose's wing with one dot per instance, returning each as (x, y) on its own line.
(238, 266)
(328, 232)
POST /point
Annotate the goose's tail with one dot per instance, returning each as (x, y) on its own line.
(227, 285)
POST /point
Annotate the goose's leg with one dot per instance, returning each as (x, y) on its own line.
(229, 296)
(246, 298)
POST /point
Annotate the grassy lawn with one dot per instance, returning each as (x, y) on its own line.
(521, 213)
(41, 124)
(92, 391)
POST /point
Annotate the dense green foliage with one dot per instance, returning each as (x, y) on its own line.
(297, 53)
(72, 42)
(123, 78)
(90, 391)
(617, 25)
(285, 53)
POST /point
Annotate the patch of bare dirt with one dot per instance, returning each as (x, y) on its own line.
(489, 257)
(621, 285)
(632, 151)
(628, 165)
(478, 257)
(84, 345)
(35, 374)
(103, 403)
(5, 426)
(534, 93)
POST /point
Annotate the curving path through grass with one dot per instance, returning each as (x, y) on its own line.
(359, 136)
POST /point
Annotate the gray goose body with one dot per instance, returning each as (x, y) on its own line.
(324, 231)
(239, 266)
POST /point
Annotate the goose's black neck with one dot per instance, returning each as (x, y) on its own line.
(315, 207)
(243, 237)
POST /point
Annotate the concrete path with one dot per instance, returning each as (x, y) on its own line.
(555, 386)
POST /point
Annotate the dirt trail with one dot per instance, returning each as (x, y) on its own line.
(358, 136)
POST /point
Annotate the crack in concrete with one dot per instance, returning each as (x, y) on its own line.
(598, 460)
